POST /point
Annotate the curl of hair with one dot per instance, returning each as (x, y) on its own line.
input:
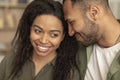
(66, 53)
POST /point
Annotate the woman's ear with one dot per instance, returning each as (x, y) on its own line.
(93, 12)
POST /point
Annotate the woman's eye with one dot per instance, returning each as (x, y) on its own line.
(54, 35)
(37, 31)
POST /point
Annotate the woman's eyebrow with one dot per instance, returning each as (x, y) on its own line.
(55, 31)
(37, 26)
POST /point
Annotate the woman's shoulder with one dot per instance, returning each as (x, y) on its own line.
(8, 58)
(6, 65)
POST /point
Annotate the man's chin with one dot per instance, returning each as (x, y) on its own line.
(87, 43)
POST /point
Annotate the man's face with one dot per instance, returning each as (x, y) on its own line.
(79, 24)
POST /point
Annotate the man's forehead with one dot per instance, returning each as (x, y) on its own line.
(67, 7)
(67, 3)
(70, 9)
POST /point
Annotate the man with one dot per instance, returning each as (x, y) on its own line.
(94, 25)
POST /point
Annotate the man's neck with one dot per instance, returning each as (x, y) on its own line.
(111, 36)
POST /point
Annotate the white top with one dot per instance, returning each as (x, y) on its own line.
(100, 61)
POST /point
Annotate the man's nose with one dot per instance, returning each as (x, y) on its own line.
(71, 31)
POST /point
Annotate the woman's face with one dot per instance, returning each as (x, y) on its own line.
(46, 35)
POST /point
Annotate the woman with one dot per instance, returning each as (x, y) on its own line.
(43, 49)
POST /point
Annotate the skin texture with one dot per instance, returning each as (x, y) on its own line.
(46, 36)
(91, 24)
(85, 30)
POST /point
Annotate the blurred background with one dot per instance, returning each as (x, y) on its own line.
(10, 13)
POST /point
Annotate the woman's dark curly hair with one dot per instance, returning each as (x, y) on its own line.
(66, 53)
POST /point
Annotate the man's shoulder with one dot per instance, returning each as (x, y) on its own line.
(81, 46)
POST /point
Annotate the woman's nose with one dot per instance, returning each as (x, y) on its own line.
(44, 38)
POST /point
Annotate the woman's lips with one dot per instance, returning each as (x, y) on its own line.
(43, 48)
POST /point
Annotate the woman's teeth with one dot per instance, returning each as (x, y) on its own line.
(43, 48)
